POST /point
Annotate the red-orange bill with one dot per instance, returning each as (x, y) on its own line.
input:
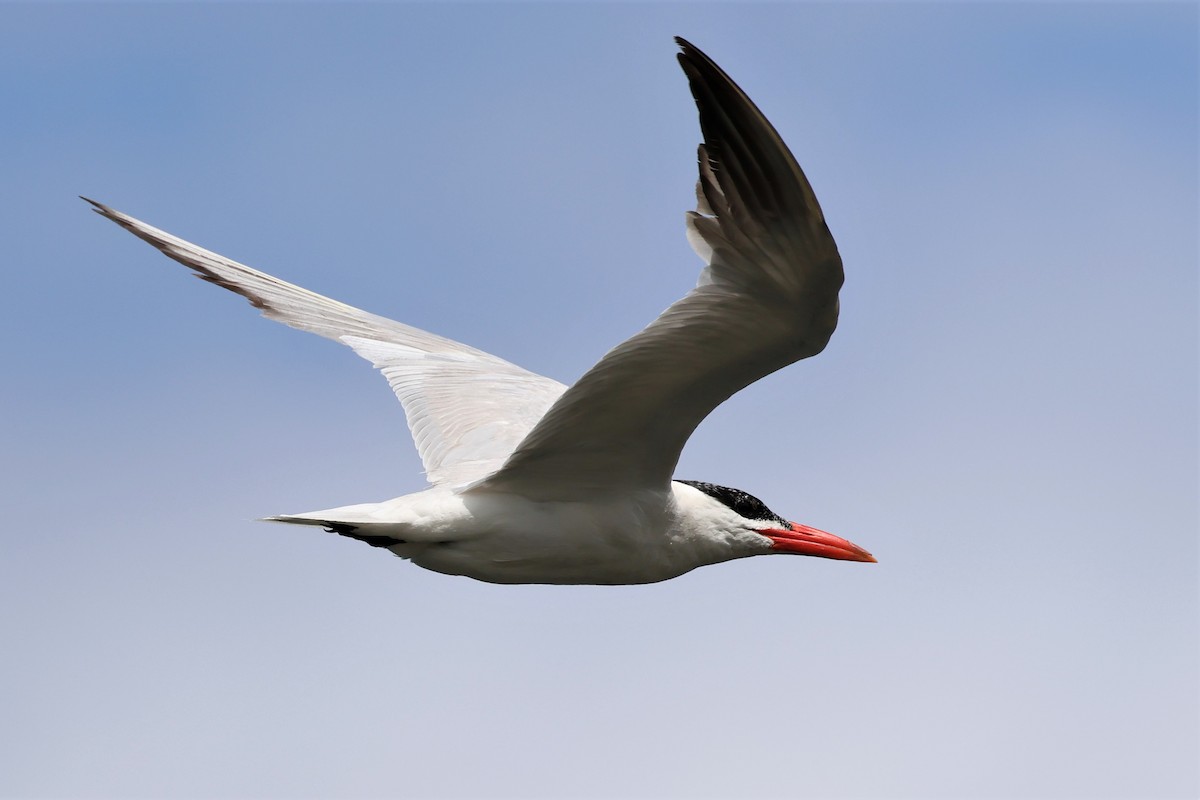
(805, 541)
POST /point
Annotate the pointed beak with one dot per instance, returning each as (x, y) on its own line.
(802, 540)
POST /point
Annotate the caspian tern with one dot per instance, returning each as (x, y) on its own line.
(535, 482)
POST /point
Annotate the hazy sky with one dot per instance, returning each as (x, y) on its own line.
(1007, 416)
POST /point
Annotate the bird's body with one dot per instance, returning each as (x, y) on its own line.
(536, 482)
(502, 537)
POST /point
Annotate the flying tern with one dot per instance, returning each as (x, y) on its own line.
(532, 481)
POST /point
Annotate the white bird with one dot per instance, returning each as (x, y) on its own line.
(535, 482)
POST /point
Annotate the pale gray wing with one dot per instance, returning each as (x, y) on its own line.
(767, 298)
(467, 410)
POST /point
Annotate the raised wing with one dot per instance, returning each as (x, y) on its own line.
(467, 410)
(767, 298)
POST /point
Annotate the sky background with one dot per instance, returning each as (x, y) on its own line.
(1006, 417)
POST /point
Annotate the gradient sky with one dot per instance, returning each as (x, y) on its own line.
(1007, 416)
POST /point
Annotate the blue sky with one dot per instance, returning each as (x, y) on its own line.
(1006, 417)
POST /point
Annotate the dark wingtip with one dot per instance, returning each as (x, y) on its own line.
(100, 209)
(689, 53)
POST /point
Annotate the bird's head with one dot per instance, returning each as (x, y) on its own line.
(747, 519)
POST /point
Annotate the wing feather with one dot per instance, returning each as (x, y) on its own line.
(767, 297)
(467, 409)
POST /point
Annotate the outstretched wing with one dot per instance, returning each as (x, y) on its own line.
(767, 298)
(467, 410)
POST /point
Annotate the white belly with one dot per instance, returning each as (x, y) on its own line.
(508, 539)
